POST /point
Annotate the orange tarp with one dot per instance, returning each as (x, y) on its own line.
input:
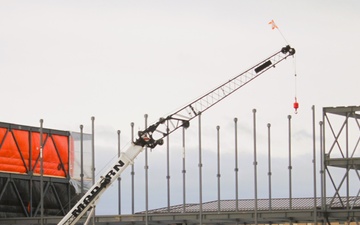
(20, 152)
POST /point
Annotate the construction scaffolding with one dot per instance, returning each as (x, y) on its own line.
(341, 151)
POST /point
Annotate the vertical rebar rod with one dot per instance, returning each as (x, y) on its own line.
(218, 165)
(41, 174)
(322, 167)
(93, 149)
(168, 166)
(184, 170)
(347, 157)
(200, 173)
(255, 169)
(119, 179)
(290, 166)
(323, 155)
(269, 164)
(146, 177)
(93, 159)
(132, 175)
(81, 159)
(31, 169)
(236, 168)
(69, 187)
(314, 164)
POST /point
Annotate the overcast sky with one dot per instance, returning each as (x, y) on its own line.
(65, 61)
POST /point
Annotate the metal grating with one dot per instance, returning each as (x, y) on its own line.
(262, 205)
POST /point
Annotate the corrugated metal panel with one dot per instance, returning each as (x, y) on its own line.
(263, 204)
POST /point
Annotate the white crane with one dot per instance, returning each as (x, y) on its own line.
(155, 133)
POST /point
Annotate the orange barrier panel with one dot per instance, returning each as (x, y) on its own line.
(20, 150)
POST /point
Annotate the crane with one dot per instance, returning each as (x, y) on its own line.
(155, 133)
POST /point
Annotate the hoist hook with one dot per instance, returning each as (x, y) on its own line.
(296, 105)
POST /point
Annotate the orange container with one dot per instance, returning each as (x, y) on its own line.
(20, 150)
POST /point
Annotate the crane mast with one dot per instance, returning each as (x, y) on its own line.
(154, 134)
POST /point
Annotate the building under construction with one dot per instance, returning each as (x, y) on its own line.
(65, 176)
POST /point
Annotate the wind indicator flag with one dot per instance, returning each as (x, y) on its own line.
(273, 25)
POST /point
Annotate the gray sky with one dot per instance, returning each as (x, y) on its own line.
(65, 61)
